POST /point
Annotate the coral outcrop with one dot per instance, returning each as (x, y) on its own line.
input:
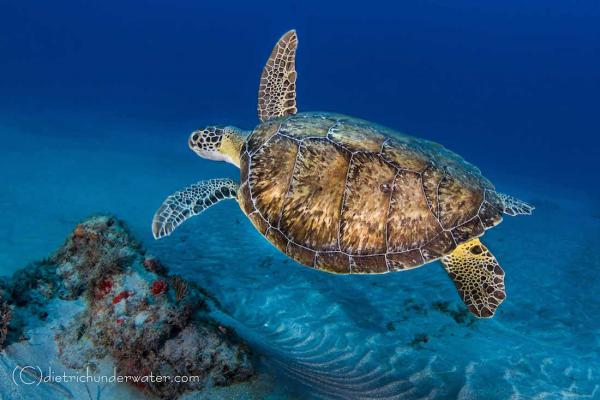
(147, 322)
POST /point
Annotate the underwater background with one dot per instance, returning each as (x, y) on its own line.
(97, 100)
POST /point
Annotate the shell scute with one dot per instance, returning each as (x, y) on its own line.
(275, 236)
(375, 264)
(405, 154)
(431, 177)
(440, 245)
(336, 262)
(468, 230)
(301, 254)
(304, 126)
(261, 135)
(458, 201)
(244, 165)
(245, 198)
(406, 260)
(311, 212)
(269, 176)
(366, 203)
(356, 137)
(261, 224)
(489, 215)
(410, 224)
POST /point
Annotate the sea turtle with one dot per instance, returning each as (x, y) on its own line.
(347, 196)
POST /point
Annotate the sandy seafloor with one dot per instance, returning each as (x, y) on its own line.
(314, 334)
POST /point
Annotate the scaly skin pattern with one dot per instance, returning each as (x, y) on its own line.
(477, 277)
(277, 90)
(345, 195)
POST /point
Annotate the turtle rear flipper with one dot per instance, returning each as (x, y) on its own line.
(477, 277)
(511, 205)
(190, 201)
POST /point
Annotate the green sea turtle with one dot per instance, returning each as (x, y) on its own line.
(347, 196)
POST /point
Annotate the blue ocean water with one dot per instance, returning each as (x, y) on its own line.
(97, 101)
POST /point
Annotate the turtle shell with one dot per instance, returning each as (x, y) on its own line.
(345, 195)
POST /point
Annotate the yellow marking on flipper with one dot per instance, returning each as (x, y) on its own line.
(477, 277)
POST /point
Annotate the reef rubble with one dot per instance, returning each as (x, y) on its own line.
(135, 314)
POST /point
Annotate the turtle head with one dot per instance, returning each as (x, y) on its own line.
(219, 143)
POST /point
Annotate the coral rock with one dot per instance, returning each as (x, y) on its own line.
(173, 336)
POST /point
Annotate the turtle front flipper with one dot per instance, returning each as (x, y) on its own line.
(190, 201)
(277, 90)
(477, 276)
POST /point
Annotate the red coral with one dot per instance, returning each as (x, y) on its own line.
(123, 295)
(158, 287)
(104, 287)
(120, 321)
